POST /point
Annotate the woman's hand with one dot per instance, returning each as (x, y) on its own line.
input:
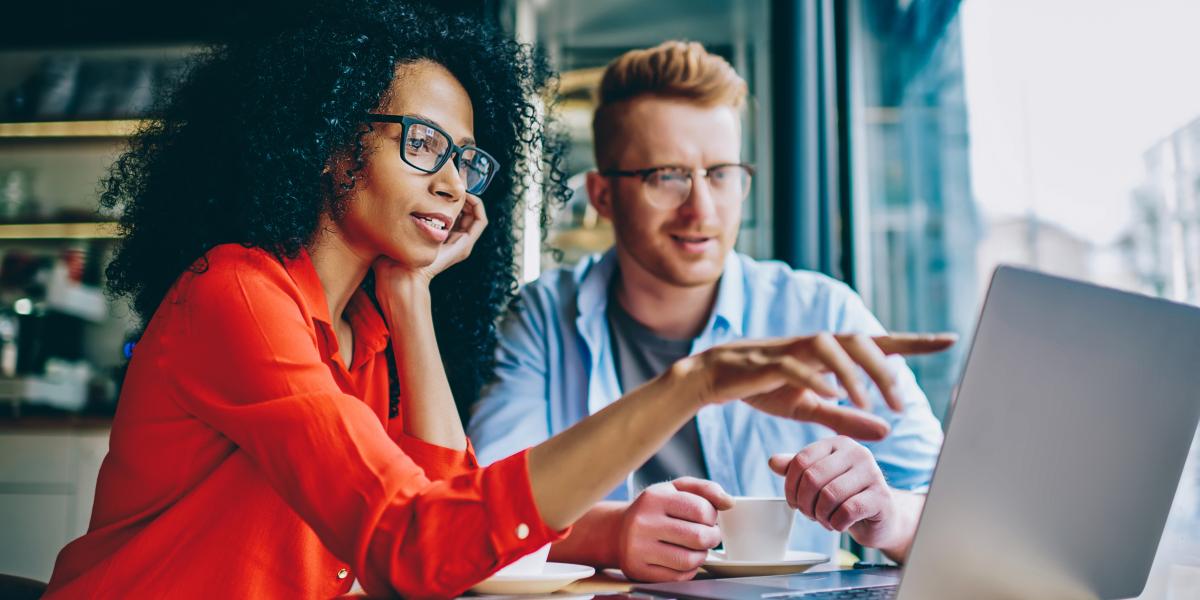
(457, 247)
(788, 377)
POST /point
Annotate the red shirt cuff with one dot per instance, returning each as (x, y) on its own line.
(438, 462)
(517, 527)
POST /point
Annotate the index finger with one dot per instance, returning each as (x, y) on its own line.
(709, 490)
(915, 343)
(687, 506)
(473, 210)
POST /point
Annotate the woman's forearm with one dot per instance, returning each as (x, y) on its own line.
(426, 402)
(573, 470)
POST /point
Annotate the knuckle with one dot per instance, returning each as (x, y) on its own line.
(853, 508)
(827, 495)
(711, 537)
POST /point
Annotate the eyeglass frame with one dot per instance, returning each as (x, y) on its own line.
(645, 174)
(454, 149)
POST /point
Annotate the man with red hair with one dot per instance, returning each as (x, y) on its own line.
(671, 179)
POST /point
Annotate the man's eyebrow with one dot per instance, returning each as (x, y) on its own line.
(467, 141)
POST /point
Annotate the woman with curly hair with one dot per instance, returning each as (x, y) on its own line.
(306, 234)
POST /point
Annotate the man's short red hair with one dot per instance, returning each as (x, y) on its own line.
(674, 69)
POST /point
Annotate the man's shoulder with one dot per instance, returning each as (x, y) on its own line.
(769, 280)
(559, 287)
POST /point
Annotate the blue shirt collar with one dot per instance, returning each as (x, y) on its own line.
(595, 274)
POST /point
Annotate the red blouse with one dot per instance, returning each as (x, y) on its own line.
(248, 460)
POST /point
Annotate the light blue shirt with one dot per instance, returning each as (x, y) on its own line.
(554, 367)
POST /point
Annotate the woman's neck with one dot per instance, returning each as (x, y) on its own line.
(340, 269)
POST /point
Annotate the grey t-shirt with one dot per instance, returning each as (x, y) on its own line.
(640, 355)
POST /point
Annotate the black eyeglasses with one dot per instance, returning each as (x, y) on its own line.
(669, 187)
(425, 147)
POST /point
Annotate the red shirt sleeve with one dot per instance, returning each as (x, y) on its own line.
(439, 462)
(257, 377)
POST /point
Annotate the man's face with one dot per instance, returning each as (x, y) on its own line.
(683, 245)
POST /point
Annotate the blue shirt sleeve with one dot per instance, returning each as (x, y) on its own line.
(513, 410)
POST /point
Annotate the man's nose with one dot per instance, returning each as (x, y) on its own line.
(700, 203)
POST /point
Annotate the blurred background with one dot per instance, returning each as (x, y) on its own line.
(906, 147)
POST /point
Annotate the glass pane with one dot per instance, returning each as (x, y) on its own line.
(1063, 136)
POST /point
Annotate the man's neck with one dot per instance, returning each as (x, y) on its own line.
(670, 311)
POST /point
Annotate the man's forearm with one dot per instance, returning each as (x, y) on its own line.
(594, 538)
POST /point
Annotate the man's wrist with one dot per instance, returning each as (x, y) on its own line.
(906, 510)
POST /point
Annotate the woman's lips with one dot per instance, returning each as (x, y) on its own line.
(435, 226)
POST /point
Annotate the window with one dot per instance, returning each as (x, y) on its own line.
(1063, 136)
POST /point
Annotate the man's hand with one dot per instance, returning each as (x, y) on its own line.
(667, 531)
(837, 483)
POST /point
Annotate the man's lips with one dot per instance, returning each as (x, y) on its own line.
(691, 238)
(693, 243)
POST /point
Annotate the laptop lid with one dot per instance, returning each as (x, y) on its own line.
(1075, 413)
(1073, 420)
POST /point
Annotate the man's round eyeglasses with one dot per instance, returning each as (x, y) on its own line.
(668, 187)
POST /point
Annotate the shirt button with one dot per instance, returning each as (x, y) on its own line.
(343, 573)
(522, 531)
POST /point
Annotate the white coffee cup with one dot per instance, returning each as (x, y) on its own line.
(530, 564)
(756, 528)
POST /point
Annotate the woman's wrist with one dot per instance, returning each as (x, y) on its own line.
(403, 299)
(688, 381)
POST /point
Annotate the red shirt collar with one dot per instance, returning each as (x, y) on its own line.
(370, 329)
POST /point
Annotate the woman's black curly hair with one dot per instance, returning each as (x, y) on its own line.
(237, 154)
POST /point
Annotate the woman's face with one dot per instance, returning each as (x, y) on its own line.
(396, 210)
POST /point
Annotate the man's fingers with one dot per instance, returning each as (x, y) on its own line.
(809, 482)
(915, 343)
(779, 463)
(659, 574)
(840, 489)
(864, 351)
(864, 505)
(676, 558)
(709, 490)
(690, 507)
(691, 536)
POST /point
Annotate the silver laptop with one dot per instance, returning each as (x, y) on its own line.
(1074, 416)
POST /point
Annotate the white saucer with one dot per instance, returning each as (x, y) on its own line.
(554, 577)
(795, 561)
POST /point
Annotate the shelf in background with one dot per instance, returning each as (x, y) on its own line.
(57, 231)
(70, 129)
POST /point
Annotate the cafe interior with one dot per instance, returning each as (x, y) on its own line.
(906, 148)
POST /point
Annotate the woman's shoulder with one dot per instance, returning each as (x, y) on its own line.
(240, 258)
(229, 268)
